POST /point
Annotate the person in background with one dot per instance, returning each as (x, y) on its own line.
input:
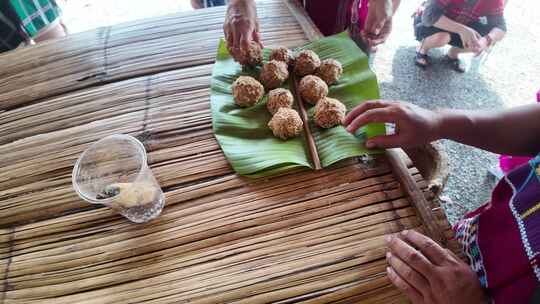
(501, 239)
(369, 20)
(198, 4)
(27, 21)
(467, 25)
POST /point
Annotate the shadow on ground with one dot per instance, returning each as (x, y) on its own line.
(440, 87)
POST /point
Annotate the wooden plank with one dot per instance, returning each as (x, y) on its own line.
(310, 29)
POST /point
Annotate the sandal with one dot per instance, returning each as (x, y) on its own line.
(456, 64)
(424, 57)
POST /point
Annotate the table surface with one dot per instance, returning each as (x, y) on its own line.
(310, 236)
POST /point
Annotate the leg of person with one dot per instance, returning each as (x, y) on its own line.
(436, 40)
(429, 37)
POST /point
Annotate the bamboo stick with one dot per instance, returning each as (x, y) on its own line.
(417, 198)
(312, 147)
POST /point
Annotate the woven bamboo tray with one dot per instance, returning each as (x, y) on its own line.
(310, 236)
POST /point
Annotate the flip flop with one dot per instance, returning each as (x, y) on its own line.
(456, 64)
(419, 56)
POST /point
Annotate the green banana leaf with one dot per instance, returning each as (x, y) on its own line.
(247, 141)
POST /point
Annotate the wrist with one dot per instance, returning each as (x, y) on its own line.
(453, 123)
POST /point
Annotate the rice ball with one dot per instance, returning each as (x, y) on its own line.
(273, 74)
(307, 62)
(312, 89)
(329, 112)
(330, 71)
(286, 123)
(247, 91)
(282, 54)
(252, 56)
(279, 98)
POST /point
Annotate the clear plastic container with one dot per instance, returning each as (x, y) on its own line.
(114, 172)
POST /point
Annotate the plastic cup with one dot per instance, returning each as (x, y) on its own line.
(114, 172)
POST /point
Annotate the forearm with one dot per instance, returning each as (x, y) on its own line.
(515, 131)
(448, 24)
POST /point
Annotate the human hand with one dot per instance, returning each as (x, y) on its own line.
(241, 25)
(373, 41)
(415, 126)
(483, 44)
(428, 273)
(469, 37)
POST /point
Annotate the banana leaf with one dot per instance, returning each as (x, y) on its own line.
(243, 133)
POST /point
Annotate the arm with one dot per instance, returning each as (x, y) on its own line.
(433, 15)
(514, 131)
(448, 24)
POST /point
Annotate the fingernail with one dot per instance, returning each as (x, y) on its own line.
(388, 271)
(388, 255)
(404, 232)
(388, 239)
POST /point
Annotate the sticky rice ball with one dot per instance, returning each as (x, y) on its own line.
(279, 98)
(330, 71)
(252, 56)
(247, 91)
(282, 54)
(286, 123)
(273, 74)
(312, 89)
(307, 62)
(329, 112)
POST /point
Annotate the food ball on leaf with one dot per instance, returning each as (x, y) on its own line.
(279, 98)
(273, 74)
(286, 123)
(330, 71)
(282, 54)
(247, 91)
(312, 89)
(252, 56)
(307, 62)
(329, 112)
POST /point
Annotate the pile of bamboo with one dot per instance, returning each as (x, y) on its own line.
(305, 237)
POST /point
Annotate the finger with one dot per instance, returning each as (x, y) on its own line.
(378, 27)
(410, 256)
(379, 40)
(228, 36)
(257, 38)
(405, 272)
(245, 40)
(235, 38)
(363, 107)
(433, 251)
(381, 115)
(407, 289)
(384, 142)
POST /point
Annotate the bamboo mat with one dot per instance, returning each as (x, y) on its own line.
(310, 237)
